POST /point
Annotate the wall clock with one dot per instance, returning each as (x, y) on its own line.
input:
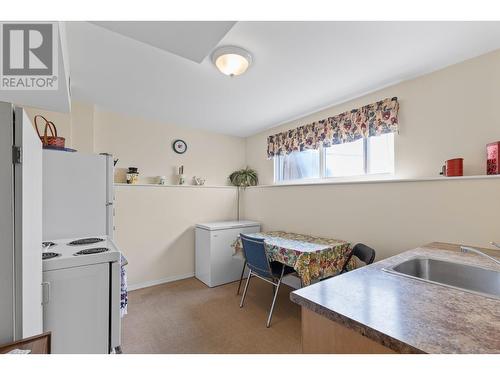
(179, 146)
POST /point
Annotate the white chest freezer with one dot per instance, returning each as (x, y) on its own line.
(214, 260)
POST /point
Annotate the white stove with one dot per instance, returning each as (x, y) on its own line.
(81, 278)
(70, 253)
(81, 294)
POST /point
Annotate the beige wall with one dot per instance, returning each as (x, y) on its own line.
(62, 121)
(147, 145)
(449, 113)
(82, 126)
(77, 127)
(389, 216)
(155, 227)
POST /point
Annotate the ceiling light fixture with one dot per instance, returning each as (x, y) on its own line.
(232, 61)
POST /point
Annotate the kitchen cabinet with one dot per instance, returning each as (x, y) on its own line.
(321, 335)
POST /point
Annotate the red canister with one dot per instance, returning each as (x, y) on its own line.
(493, 164)
(454, 167)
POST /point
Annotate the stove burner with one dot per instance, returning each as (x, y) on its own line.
(95, 250)
(85, 241)
(49, 255)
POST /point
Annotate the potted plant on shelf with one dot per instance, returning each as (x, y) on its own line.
(242, 179)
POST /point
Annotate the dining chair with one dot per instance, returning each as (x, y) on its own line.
(241, 277)
(259, 266)
(364, 253)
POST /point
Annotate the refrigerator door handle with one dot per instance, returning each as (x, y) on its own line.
(45, 293)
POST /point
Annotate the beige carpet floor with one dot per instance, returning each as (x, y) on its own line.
(188, 317)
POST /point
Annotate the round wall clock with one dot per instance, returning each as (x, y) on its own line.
(179, 146)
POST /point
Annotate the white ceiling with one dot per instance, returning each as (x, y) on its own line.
(190, 39)
(299, 67)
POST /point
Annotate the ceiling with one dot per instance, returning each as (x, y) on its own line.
(152, 71)
(191, 39)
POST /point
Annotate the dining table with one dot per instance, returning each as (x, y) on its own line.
(312, 257)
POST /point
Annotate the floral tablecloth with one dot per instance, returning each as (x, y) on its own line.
(312, 257)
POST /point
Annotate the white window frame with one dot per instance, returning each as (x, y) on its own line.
(322, 166)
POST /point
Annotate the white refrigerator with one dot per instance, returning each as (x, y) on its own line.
(77, 195)
(20, 226)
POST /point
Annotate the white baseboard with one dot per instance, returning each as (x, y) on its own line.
(145, 284)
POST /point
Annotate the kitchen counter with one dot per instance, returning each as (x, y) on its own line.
(406, 315)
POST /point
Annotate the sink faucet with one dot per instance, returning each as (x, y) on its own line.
(466, 249)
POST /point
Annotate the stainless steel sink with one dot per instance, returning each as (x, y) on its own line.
(455, 275)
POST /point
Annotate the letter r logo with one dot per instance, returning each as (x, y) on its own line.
(27, 49)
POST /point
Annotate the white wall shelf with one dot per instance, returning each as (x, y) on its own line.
(177, 186)
(376, 181)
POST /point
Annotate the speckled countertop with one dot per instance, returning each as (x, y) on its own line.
(408, 315)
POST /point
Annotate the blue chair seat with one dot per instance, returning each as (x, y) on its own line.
(259, 265)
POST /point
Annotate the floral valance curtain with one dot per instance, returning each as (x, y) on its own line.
(371, 120)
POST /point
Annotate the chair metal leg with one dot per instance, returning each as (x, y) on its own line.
(241, 277)
(245, 290)
(274, 298)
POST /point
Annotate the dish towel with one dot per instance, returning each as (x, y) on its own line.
(123, 289)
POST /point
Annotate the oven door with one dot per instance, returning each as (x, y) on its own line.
(76, 309)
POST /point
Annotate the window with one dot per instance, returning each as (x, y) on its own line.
(298, 165)
(380, 154)
(373, 155)
(346, 159)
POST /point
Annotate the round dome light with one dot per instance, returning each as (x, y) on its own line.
(231, 61)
